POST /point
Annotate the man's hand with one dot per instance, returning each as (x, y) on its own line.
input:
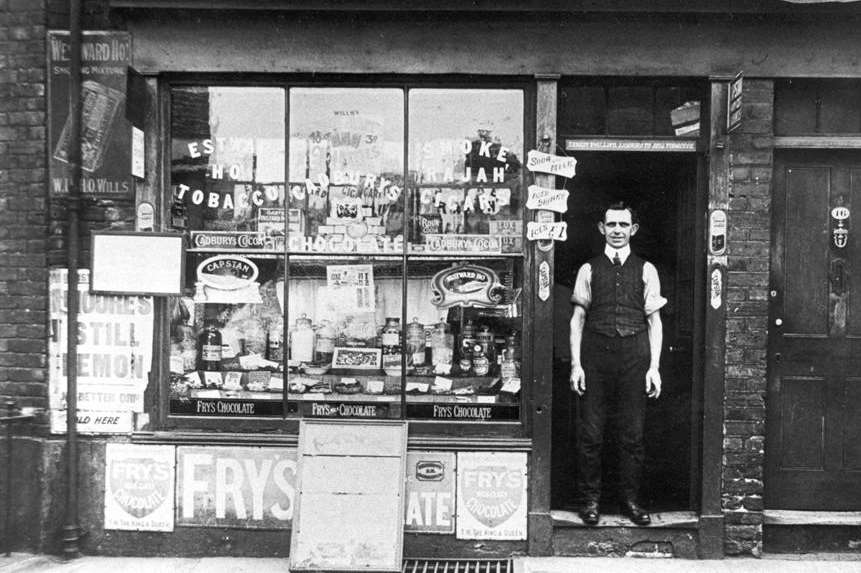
(653, 382)
(578, 379)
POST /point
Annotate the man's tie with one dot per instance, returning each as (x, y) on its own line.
(616, 260)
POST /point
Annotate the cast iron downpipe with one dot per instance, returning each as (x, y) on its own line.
(70, 526)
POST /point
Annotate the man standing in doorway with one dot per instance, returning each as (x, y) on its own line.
(616, 338)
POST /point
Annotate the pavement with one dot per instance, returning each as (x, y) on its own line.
(818, 563)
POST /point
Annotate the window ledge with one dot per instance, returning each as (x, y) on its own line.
(817, 142)
(798, 517)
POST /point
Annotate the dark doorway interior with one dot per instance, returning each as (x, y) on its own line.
(662, 188)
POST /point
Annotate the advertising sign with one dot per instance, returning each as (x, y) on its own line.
(466, 285)
(557, 231)
(550, 199)
(105, 132)
(114, 352)
(733, 113)
(551, 164)
(245, 487)
(139, 484)
(430, 492)
(491, 495)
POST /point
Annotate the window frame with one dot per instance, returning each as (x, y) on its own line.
(287, 425)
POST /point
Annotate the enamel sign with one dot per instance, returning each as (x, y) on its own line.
(550, 199)
(491, 495)
(840, 233)
(244, 487)
(430, 492)
(139, 487)
(466, 285)
(551, 164)
(544, 280)
(557, 231)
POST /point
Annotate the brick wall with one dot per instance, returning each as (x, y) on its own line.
(749, 216)
(23, 225)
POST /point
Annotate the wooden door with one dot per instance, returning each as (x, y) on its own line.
(813, 444)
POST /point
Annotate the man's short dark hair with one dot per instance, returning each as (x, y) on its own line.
(620, 206)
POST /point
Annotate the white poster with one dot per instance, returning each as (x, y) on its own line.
(139, 487)
(114, 349)
(353, 285)
(491, 495)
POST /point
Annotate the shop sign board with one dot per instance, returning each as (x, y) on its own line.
(243, 487)
(139, 487)
(556, 231)
(491, 495)
(349, 472)
(105, 131)
(538, 161)
(545, 198)
(114, 351)
(430, 492)
(623, 144)
(733, 113)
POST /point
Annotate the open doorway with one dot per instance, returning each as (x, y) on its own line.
(662, 188)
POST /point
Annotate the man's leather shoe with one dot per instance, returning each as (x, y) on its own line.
(633, 511)
(589, 513)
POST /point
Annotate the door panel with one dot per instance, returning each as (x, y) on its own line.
(814, 392)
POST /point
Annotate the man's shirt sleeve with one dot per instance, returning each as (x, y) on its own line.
(582, 293)
(651, 289)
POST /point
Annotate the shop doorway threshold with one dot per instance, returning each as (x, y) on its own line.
(673, 519)
(457, 566)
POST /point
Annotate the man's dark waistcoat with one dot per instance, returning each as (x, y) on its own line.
(618, 306)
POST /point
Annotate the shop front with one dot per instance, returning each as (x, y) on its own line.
(381, 212)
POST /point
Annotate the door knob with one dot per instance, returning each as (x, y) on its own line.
(778, 321)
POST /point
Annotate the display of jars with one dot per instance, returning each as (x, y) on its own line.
(416, 342)
(302, 340)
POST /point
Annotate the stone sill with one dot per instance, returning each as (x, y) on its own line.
(666, 519)
(797, 517)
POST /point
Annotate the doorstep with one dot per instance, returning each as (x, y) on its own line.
(664, 519)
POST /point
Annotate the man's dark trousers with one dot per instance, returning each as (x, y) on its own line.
(615, 368)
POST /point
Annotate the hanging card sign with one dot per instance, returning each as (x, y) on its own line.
(466, 285)
(552, 164)
(557, 231)
(550, 199)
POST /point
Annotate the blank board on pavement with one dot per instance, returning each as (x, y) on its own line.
(350, 496)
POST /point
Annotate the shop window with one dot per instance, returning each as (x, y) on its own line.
(817, 107)
(347, 288)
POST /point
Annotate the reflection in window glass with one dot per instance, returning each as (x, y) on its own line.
(346, 170)
(465, 149)
(227, 159)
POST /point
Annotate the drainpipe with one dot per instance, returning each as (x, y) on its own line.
(70, 525)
